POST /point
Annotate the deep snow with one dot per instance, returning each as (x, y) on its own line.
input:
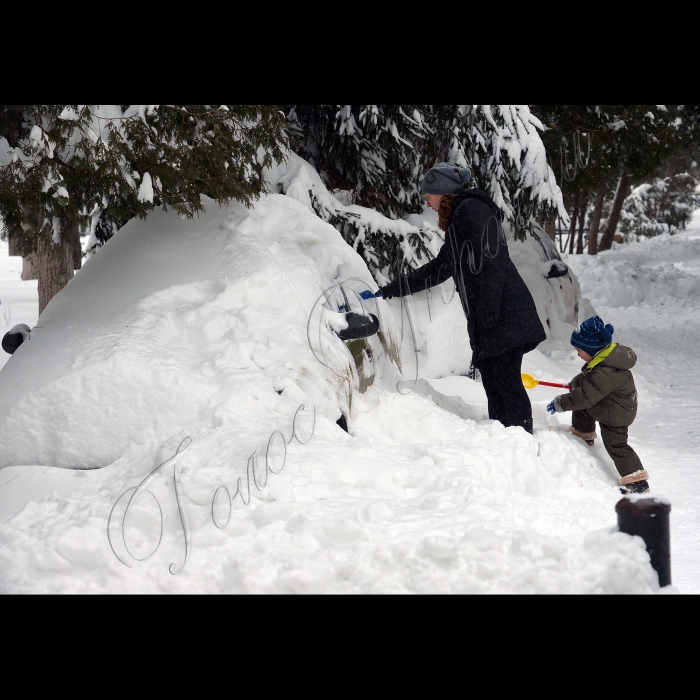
(193, 328)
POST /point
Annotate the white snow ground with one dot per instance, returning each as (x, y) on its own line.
(423, 497)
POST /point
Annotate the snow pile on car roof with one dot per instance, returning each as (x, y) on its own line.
(176, 324)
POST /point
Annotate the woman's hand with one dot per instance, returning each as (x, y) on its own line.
(386, 292)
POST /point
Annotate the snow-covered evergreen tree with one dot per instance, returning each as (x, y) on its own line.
(376, 156)
(503, 146)
(662, 206)
(600, 151)
(371, 151)
(369, 156)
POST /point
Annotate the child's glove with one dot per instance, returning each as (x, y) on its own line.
(555, 406)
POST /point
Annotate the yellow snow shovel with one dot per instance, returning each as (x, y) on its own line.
(531, 383)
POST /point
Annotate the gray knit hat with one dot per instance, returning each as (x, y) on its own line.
(446, 179)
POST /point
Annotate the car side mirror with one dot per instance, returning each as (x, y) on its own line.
(359, 327)
(558, 269)
(15, 338)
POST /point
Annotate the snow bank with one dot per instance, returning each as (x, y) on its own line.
(416, 501)
(200, 329)
(662, 271)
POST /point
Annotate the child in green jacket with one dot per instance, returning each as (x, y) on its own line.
(605, 392)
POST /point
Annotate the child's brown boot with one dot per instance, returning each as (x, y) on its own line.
(588, 438)
(635, 484)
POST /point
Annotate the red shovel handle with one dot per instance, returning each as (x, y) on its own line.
(557, 386)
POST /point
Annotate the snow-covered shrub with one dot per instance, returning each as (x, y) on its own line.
(664, 206)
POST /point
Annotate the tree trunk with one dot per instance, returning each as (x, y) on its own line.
(616, 213)
(32, 224)
(29, 268)
(550, 228)
(560, 234)
(55, 265)
(581, 226)
(574, 220)
(595, 222)
(77, 250)
(14, 251)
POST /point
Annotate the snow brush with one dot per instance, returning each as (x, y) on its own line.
(531, 383)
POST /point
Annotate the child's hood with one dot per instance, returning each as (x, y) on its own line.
(616, 357)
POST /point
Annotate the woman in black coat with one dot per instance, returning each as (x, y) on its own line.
(501, 315)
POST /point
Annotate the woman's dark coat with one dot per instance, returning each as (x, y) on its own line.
(476, 255)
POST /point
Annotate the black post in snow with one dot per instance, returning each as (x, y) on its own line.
(650, 519)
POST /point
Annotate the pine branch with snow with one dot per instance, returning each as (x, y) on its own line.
(373, 152)
(503, 146)
(71, 161)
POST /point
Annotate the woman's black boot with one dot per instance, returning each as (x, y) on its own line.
(526, 425)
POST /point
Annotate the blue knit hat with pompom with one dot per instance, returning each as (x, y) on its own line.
(592, 336)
